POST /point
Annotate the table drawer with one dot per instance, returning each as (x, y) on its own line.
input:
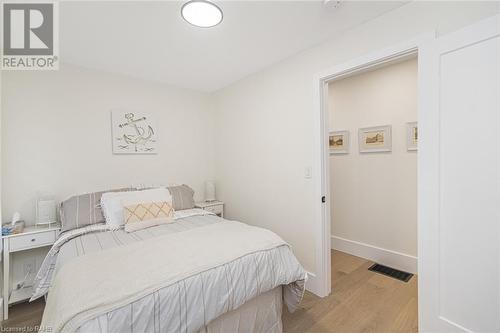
(22, 242)
(215, 209)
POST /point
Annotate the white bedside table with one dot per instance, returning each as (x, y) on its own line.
(216, 207)
(31, 238)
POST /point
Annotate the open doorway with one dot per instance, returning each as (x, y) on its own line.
(373, 138)
(320, 283)
(373, 164)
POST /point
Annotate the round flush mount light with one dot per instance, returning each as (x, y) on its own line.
(201, 13)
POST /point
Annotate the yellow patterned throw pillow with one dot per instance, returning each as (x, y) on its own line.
(147, 214)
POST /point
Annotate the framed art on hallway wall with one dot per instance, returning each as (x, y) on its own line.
(375, 139)
(338, 142)
(412, 136)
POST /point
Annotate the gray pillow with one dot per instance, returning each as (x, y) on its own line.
(82, 210)
(182, 197)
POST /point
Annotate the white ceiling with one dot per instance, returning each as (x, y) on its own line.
(150, 40)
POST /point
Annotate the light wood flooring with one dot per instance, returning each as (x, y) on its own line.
(361, 301)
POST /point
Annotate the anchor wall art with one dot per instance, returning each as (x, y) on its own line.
(133, 132)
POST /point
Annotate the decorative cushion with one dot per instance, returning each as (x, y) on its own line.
(147, 214)
(182, 197)
(82, 210)
(113, 203)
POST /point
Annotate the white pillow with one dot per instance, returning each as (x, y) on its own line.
(112, 203)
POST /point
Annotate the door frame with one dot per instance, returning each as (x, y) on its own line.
(419, 46)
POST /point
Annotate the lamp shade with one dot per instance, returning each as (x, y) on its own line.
(209, 191)
(46, 211)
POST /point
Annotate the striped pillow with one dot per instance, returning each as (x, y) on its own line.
(182, 197)
(82, 210)
(147, 214)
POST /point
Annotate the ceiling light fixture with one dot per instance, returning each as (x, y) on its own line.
(201, 13)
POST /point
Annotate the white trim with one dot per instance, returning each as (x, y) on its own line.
(321, 152)
(394, 259)
(427, 178)
(312, 284)
(321, 184)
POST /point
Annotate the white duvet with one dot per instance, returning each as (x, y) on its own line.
(195, 275)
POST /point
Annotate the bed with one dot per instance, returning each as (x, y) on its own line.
(200, 273)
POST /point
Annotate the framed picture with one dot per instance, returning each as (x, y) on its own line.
(375, 139)
(338, 141)
(412, 136)
(133, 132)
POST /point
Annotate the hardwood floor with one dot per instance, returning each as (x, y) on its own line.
(362, 301)
(24, 317)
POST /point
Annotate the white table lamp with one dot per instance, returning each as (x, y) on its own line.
(209, 191)
(46, 211)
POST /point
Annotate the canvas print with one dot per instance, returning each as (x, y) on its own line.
(375, 139)
(338, 142)
(412, 136)
(133, 132)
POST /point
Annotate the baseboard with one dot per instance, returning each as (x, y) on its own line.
(398, 260)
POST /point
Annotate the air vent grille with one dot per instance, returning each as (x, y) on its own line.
(391, 272)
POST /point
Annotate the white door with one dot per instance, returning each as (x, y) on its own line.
(459, 211)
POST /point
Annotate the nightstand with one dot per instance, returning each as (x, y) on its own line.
(216, 207)
(31, 238)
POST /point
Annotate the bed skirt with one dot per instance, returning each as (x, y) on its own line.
(262, 314)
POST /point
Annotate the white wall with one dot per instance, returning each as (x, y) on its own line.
(56, 135)
(264, 123)
(374, 195)
(56, 138)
